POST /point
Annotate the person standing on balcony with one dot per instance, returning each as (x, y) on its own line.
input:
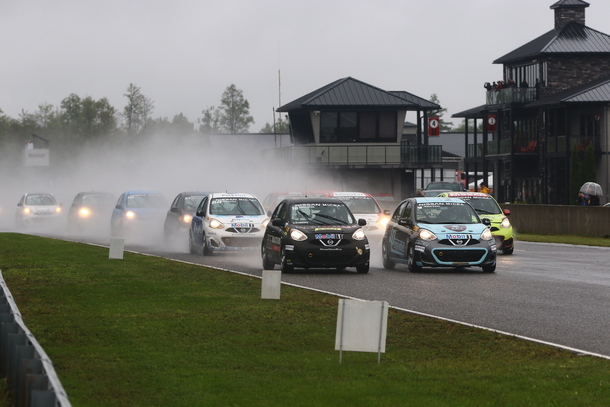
(483, 188)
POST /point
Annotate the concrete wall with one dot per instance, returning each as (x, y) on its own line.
(560, 219)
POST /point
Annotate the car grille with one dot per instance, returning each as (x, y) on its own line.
(457, 255)
(318, 243)
(240, 242)
(453, 242)
(331, 258)
(243, 230)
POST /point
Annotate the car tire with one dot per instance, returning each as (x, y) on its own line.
(267, 264)
(192, 247)
(205, 249)
(362, 268)
(286, 268)
(489, 269)
(385, 257)
(411, 264)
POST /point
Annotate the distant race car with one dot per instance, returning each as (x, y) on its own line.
(438, 232)
(438, 187)
(227, 222)
(315, 233)
(180, 214)
(90, 210)
(364, 206)
(487, 207)
(138, 213)
(37, 209)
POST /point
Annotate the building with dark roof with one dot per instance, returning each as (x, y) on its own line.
(553, 104)
(354, 133)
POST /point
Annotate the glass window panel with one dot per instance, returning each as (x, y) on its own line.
(387, 126)
(368, 126)
(328, 127)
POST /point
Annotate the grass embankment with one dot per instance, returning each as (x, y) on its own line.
(564, 239)
(146, 331)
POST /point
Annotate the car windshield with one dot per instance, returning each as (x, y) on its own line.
(236, 206)
(320, 213)
(361, 204)
(98, 200)
(40, 199)
(145, 201)
(451, 186)
(484, 206)
(192, 202)
(445, 213)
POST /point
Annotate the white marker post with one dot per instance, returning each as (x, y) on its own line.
(272, 283)
(117, 245)
(361, 326)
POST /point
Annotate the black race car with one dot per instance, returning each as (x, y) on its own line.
(315, 233)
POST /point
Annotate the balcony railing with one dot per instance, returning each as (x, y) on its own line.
(531, 146)
(371, 154)
(510, 95)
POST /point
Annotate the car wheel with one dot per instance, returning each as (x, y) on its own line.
(411, 264)
(362, 269)
(489, 269)
(385, 257)
(205, 249)
(286, 268)
(192, 247)
(509, 251)
(267, 264)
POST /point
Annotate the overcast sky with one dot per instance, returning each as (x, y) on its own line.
(184, 53)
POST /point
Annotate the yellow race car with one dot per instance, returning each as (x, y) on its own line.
(487, 207)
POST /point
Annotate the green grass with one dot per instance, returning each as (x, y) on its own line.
(566, 239)
(145, 331)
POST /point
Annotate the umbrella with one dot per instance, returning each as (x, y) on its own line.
(591, 188)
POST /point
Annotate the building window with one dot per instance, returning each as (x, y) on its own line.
(358, 127)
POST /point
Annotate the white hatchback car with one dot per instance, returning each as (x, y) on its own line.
(226, 221)
(37, 209)
(364, 206)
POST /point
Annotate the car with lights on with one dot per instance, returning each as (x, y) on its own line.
(227, 222)
(138, 212)
(487, 207)
(180, 214)
(365, 206)
(438, 232)
(315, 233)
(37, 209)
(90, 210)
(437, 187)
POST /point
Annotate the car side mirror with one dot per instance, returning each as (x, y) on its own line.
(19, 204)
(506, 212)
(175, 209)
(361, 222)
(386, 212)
(486, 222)
(277, 222)
(403, 221)
(119, 206)
(200, 213)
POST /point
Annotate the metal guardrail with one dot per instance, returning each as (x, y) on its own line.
(30, 374)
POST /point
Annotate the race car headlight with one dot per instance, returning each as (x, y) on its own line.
(58, 209)
(486, 235)
(359, 235)
(27, 210)
(84, 212)
(384, 222)
(297, 235)
(265, 223)
(505, 223)
(187, 218)
(425, 234)
(130, 215)
(216, 224)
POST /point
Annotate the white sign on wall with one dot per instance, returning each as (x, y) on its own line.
(36, 157)
(361, 326)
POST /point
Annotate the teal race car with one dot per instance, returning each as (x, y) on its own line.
(438, 232)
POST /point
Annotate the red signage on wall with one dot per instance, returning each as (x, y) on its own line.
(492, 123)
(434, 126)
